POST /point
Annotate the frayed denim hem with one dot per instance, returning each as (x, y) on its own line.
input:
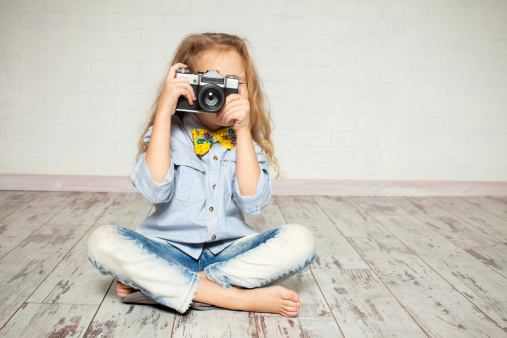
(192, 290)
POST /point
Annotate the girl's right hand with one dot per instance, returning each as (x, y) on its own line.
(174, 87)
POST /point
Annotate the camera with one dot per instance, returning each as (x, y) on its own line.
(210, 88)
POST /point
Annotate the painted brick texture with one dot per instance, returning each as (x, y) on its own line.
(369, 90)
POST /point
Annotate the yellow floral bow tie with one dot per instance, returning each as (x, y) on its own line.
(204, 139)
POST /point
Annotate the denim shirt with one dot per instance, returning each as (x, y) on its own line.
(199, 200)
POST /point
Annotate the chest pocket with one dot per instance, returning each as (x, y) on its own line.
(189, 175)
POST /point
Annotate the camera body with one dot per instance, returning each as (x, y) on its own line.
(210, 88)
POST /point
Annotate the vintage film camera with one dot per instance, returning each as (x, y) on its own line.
(210, 88)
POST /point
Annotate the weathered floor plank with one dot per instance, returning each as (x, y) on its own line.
(483, 247)
(215, 323)
(117, 319)
(26, 266)
(496, 206)
(27, 219)
(297, 327)
(359, 301)
(75, 273)
(486, 222)
(393, 259)
(484, 287)
(438, 307)
(417, 268)
(11, 200)
(49, 320)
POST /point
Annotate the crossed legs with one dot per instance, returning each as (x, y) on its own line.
(271, 299)
(285, 251)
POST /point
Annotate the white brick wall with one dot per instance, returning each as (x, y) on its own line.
(392, 89)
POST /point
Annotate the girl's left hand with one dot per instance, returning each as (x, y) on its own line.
(237, 108)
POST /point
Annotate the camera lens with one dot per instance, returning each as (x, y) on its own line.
(211, 98)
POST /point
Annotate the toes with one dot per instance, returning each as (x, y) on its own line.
(294, 297)
(291, 303)
(291, 295)
(290, 309)
(124, 287)
(288, 314)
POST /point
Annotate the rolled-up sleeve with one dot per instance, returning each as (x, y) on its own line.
(143, 181)
(252, 205)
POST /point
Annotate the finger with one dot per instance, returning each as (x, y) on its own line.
(190, 90)
(184, 89)
(232, 115)
(189, 94)
(174, 68)
(233, 104)
(223, 112)
(234, 109)
(230, 105)
(226, 119)
(232, 97)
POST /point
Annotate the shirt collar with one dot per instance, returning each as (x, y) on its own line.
(190, 121)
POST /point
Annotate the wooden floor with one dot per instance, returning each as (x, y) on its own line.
(386, 266)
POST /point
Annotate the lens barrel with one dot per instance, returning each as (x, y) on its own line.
(211, 98)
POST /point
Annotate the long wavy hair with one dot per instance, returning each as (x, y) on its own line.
(189, 51)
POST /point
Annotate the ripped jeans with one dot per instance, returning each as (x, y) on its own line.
(169, 276)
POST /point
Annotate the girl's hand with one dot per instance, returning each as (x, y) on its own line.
(237, 108)
(174, 88)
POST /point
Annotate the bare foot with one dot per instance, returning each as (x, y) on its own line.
(273, 299)
(123, 290)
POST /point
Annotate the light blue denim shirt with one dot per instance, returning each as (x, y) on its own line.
(199, 200)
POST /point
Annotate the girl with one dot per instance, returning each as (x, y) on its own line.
(203, 172)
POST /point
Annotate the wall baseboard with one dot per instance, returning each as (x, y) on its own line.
(279, 187)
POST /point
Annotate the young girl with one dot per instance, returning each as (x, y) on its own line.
(203, 172)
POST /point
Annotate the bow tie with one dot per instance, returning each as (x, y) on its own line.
(204, 139)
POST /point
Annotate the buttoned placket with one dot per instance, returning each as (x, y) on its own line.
(215, 170)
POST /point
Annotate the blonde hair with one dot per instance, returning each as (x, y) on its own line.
(189, 51)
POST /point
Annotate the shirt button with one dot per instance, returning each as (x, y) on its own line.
(214, 186)
(215, 158)
(210, 208)
(213, 237)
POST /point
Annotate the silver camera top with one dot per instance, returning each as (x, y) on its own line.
(211, 76)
